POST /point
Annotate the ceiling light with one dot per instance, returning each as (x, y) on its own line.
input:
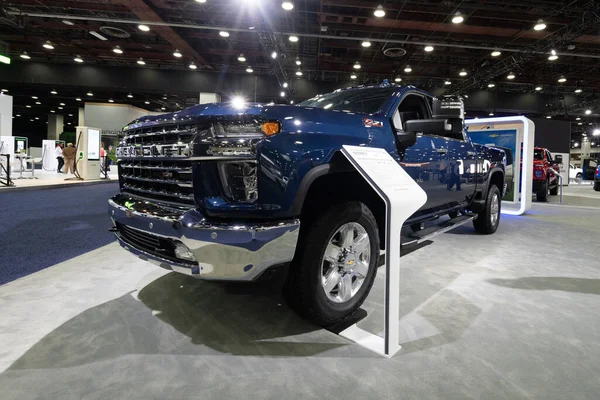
(540, 26)
(177, 54)
(491, 114)
(291, 102)
(53, 92)
(249, 70)
(496, 53)
(578, 119)
(146, 102)
(357, 65)
(538, 88)
(48, 45)
(78, 99)
(118, 50)
(407, 69)
(353, 76)
(580, 123)
(111, 101)
(287, 5)
(99, 36)
(379, 12)
(25, 56)
(38, 103)
(130, 96)
(428, 48)
(52, 111)
(548, 116)
(298, 62)
(285, 84)
(241, 58)
(588, 112)
(67, 22)
(282, 94)
(510, 76)
(90, 94)
(398, 79)
(251, 28)
(575, 144)
(463, 72)
(458, 18)
(144, 28)
(224, 34)
(34, 97)
(193, 66)
(3, 90)
(448, 82)
(200, 1)
(37, 117)
(491, 85)
(578, 90)
(141, 61)
(298, 73)
(596, 132)
(78, 59)
(27, 106)
(293, 39)
(274, 55)
(366, 44)
(70, 115)
(162, 108)
(562, 79)
(62, 104)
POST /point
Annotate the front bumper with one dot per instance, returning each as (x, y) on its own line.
(221, 251)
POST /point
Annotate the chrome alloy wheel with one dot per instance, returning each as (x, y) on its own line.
(345, 263)
(495, 210)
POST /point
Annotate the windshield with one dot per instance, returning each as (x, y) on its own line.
(366, 101)
(538, 154)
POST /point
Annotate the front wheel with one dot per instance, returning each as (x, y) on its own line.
(335, 264)
(487, 221)
(597, 186)
(542, 195)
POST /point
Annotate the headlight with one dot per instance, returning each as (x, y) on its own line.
(240, 138)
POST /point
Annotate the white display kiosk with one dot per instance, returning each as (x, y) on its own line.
(402, 197)
(87, 157)
(524, 138)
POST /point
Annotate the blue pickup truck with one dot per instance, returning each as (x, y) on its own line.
(230, 191)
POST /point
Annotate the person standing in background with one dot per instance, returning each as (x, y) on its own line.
(69, 155)
(58, 152)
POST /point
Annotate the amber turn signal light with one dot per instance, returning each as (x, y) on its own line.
(270, 128)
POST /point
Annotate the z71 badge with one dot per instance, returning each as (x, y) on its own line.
(369, 123)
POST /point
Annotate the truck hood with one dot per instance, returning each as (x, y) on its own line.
(215, 112)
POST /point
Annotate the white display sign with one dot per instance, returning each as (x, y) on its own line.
(93, 144)
(402, 197)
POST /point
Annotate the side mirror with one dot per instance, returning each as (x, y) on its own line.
(406, 139)
(428, 126)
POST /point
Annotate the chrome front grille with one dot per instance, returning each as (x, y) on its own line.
(160, 135)
(164, 180)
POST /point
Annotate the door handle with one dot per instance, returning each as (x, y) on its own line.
(442, 151)
(471, 153)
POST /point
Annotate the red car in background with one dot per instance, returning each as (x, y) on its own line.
(544, 178)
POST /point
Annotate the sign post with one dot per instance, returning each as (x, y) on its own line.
(402, 197)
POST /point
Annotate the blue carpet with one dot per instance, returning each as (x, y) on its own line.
(41, 228)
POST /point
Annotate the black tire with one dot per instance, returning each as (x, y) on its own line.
(542, 195)
(484, 222)
(554, 190)
(597, 186)
(303, 290)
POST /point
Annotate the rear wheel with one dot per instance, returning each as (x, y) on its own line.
(335, 264)
(542, 194)
(488, 220)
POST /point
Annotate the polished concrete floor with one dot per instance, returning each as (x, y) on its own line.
(509, 316)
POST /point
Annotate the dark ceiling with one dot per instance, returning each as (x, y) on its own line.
(330, 41)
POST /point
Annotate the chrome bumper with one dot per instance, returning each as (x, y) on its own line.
(227, 252)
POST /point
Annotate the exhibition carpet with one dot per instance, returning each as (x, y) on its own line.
(41, 228)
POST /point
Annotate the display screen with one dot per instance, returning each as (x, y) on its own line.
(93, 142)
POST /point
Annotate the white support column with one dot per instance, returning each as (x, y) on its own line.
(6, 115)
(55, 126)
(81, 117)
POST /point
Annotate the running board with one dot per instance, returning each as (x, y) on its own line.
(431, 232)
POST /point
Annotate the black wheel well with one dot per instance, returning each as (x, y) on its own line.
(497, 179)
(339, 187)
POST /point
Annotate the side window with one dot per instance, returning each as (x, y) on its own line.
(412, 107)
